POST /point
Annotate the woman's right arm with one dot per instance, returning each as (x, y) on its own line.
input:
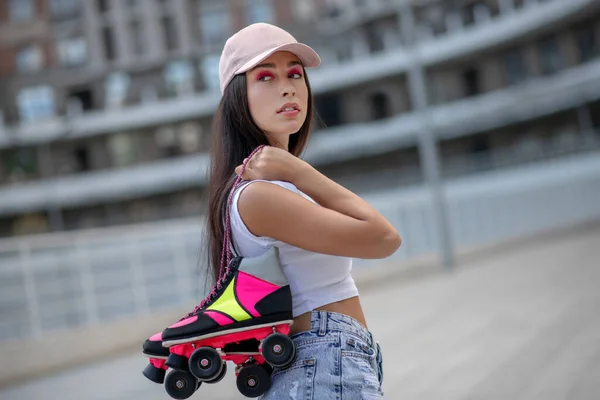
(340, 224)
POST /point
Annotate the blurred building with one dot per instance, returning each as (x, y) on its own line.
(106, 105)
(106, 113)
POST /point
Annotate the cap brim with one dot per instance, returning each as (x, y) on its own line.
(308, 57)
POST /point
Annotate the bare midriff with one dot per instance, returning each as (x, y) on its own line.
(350, 307)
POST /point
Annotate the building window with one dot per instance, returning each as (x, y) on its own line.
(304, 10)
(374, 36)
(62, 8)
(30, 59)
(210, 72)
(479, 153)
(189, 137)
(470, 78)
(468, 14)
(102, 5)
(550, 58)
(21, 10)
(516, 69)
(329, 109)
(215, 26)
(169, 33)
(117, 86)
(586, 43)
(82, 158)
(84, 98)
(432, 18)
(19, 164)
(72, 52)
(175, 141)
(137, 41)
(109, 45)
(166, 140)
(259, 11)
(343, 49)
(35, 103)
(29, 224)
(179, 77)
(380, 106)
(122, 149)
(333, 8)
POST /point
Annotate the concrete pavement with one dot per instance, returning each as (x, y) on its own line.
(520, 323)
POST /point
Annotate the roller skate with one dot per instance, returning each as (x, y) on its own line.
(251, 304)
(251, 369)
(157, 356)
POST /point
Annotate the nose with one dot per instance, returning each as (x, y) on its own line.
(288, 90)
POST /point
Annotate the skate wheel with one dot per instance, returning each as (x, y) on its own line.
(267, 368)
(221, 375)
(205, 364)
(156, 375)
(253, 380)
(181, 384)
(175, 361)
(279, 350)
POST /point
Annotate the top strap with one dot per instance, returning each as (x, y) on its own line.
(226, 251)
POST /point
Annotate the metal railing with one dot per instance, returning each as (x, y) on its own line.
(68, 280)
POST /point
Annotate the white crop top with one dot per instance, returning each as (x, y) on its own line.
(315, 279)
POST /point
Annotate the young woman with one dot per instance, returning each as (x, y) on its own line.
(317, 224)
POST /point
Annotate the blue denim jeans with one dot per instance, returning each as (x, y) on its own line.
(336, 360)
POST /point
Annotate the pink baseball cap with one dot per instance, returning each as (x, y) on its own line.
(251, 45)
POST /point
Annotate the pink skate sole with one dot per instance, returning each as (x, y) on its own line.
(219, 342)
(159, 363)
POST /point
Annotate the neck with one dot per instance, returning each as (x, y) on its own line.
(281, 143)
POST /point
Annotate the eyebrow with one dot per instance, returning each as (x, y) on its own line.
(271, 65)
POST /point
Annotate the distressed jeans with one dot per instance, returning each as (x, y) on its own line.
(336, 360)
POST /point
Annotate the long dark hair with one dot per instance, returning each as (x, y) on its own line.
(235, 136)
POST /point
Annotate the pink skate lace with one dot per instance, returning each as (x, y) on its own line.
(224, 269)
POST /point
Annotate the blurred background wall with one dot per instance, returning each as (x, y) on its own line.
(105, 112)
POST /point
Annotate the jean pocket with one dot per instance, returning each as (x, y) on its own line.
(294, 382)
(359, 377)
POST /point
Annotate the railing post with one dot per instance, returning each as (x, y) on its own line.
(180, 263)
(30, 292)
(87, 283)
(427, 141)
(138, 284)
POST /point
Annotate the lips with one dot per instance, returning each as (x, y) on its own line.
(289, 107)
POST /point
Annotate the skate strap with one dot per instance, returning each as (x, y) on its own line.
(226, 251)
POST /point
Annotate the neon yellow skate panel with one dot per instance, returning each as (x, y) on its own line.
(228, 304)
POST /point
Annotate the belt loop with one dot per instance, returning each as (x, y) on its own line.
(322, 323)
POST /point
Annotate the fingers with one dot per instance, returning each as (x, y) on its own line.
(248, 172)
(249, 162)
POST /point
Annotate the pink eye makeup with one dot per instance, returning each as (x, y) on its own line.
(294, 71)
(268, 74)
(263, 74)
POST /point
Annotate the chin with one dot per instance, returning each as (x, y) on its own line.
(287, 130)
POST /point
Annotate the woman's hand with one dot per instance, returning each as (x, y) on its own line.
(273, 164)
